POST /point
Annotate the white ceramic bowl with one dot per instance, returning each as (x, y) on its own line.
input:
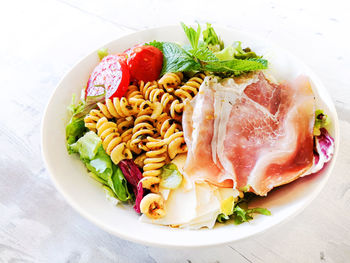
(87, 196)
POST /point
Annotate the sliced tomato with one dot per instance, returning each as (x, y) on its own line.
(111, 75)
(145, 63)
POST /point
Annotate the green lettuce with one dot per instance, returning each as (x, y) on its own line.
(101, 166)
(171, 178)
(76, 126)
(239, 211)
(87, 146)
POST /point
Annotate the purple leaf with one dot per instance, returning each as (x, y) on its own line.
(133, 175)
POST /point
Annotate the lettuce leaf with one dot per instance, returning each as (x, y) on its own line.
(239, 211)
(76, 126)
(87, 146)
(171, 178)
(235, 51)
(98, 162)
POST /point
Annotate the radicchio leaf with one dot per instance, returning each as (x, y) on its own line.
(323, 150)
(133, 175)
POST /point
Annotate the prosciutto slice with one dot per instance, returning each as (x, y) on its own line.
(249, 133)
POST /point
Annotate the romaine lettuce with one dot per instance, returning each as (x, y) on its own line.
(98, 162)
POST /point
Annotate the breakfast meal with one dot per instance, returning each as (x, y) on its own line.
(190, 133)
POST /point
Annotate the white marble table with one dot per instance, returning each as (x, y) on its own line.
(41, 40)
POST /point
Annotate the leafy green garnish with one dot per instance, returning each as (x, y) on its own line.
(200, 57)
(239, 211)
(204, 54)
(102, 169)
(87, 146)
(102, 52)
(76, 126)
(222, 218)
(243, 53)
(321, 121)
(74, 130)
(171, 178)
(212, 40)
(192, 35)
(236, 66)
(176, 59)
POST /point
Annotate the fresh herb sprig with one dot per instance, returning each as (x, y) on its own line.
(200, 56)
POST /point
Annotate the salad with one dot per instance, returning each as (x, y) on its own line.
(189, 133)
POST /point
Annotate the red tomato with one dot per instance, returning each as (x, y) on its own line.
(145, 63)
(112, 75)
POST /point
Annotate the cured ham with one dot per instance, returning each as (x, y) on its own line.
(249, 133)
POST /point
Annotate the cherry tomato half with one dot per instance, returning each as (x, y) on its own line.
(145, 63)
(111, 75)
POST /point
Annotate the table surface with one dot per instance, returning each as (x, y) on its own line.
(41, 40)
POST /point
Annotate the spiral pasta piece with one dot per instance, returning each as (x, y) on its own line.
(171, 80)
(190, 88)
(134, 96)
(111, 140)
(154, 93)
(117, 108)
(125, 127)
(171, 131)
(156, 157)
(143, 127)
(92, 118)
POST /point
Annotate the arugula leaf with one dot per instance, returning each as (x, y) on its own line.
(236, 65)
(242, 214)
(211, 39)
(239, 211)
(192, 35)
(176, 59)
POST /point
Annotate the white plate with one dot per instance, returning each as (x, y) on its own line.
(87, 196)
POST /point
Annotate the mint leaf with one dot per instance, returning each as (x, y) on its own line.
(236, 65)
(176, 59)
(192, 35)
(204, 54)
